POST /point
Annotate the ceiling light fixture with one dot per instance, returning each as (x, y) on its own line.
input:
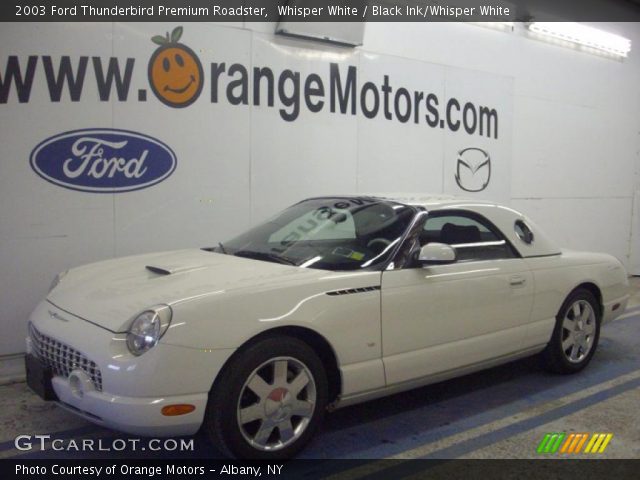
(504, 26)
(583, 35)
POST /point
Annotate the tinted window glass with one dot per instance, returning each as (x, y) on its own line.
(523, 232)
(471, 236)
(308, 227)
(328, 233)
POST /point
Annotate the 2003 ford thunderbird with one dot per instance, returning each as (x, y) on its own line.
(334, 301)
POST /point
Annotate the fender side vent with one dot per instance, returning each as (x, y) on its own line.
(350, 291)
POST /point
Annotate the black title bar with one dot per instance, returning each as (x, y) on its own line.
(317, 469)
(317, 10)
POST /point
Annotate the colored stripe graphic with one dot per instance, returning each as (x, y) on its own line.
(605, 442)
(598, 442)
(552, 439)
(556, 445)
(581, 442)
(565, 447)
(543, 443)
(573, 443)
(551, 442)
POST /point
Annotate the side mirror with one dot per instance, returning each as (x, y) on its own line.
(436, 254)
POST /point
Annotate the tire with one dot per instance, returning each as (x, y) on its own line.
(572, 343)
(280, 386)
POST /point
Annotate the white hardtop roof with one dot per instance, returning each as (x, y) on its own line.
(433, 200)
(502, 216)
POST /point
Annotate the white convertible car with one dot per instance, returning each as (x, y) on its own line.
(334, 301)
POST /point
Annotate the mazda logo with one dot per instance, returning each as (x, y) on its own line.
(473, 169)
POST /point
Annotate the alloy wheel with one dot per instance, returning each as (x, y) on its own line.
(276, 403)
(578, 331)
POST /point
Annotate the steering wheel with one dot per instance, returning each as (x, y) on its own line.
(383, 241)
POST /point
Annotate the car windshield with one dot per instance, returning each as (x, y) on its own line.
(338, 233)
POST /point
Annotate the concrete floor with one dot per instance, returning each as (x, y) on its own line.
(499, 413)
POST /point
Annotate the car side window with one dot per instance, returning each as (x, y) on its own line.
(523, 232)
(471, 236)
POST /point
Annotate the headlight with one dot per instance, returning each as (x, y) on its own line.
(56, 280)
(147, 329)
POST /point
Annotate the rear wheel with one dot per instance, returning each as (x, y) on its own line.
(268, 401)
(575, 337)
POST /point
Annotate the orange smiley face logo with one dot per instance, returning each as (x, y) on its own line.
(175, 72)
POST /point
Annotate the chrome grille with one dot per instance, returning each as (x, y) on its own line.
(63, 359)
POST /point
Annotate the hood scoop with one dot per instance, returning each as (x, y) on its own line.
(172, 269)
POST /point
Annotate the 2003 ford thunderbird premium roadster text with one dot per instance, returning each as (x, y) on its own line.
(334, 301)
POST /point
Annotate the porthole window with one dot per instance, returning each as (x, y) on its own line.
(524, 232)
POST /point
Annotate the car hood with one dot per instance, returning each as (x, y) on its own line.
(112, 292)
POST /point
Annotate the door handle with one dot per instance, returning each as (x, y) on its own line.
(517, 281)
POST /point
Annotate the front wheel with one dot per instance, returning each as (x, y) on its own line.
(575, 336)
(268, 401)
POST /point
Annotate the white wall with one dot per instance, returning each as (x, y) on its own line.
(567, 153)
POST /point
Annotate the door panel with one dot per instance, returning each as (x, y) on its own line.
(444, 317)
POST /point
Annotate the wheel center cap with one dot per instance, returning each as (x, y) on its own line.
(278, 404)
(278, 394)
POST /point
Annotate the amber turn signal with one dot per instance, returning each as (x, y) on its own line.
(179, 409)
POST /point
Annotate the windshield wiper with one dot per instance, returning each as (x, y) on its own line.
(265, 256)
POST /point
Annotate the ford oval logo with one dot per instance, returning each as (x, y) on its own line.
(103, 160)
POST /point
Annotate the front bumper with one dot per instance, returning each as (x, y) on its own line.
(132, 390)
(137, 416)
